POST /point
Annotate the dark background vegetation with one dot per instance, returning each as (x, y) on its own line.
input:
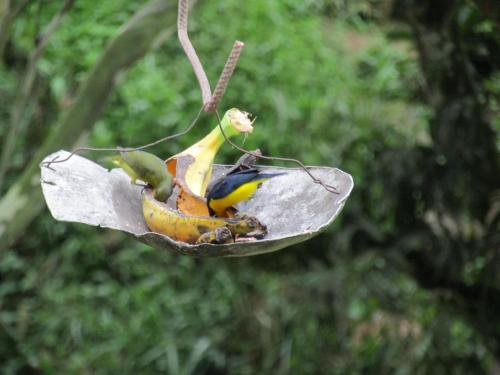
(402, 94)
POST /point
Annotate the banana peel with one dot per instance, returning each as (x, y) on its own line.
(161, 218)
(192, 168)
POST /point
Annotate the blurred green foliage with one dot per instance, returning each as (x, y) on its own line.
(328, 87)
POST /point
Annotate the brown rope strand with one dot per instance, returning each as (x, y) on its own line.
(182, 33)
(225, 76)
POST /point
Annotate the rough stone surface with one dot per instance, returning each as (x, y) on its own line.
(292, 206)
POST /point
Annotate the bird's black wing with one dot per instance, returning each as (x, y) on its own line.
(231, 182)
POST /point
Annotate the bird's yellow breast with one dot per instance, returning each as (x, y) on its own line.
(239, 194)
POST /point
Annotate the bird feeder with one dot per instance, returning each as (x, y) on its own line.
(293, 208)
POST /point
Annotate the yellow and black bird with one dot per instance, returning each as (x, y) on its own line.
(235, 187)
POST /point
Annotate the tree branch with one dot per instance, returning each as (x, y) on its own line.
(25, 93)
(24, 201)
(7, 16)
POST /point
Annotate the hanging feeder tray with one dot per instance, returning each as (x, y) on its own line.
(293, 208)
